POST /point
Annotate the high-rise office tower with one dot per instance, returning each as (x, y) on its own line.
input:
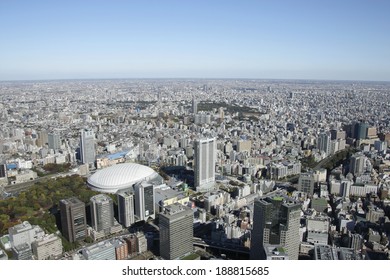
(205, 158)
(144, 200)
(356, 242)
(3, 170)
(306, 182)
(345, 188)
(356, 164)
(337, 134)
(102, 212)
(323, 142)
(73, 219)
(43, 138)
(276, 221)
(54, 141)
(221, 113)
(176, 231)
(87, 146)
(361, 130)
(194, 106)
(126, 208)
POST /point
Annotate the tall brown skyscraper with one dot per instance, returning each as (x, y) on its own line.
(73, 219)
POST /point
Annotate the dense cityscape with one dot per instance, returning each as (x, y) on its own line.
(173, 169)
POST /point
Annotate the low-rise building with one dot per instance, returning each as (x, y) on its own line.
(22, 252)
(47, 247)
(24, 233)
(104, 250)
(3, 255)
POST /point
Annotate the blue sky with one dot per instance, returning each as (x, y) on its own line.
(342, 40)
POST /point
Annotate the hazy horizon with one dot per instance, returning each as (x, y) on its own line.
(194, 78)
(281, 40)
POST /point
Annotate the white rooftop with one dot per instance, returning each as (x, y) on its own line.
(120, 176)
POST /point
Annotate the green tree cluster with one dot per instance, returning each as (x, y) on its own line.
(308, 162)
(33, 205)
(231, 108)
(339, 158)
(53, 168)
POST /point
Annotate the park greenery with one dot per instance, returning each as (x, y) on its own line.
(330, 162)
(308, 162)
(39, 204)
(52, 168)
(231, 108)
(339, 158)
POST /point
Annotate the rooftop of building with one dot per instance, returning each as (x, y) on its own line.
(275, 250)
(126, 192)
(176, 210)
(98, 247)
(348, 254)
(325, 252)
(72, 201)
(20, 228)
(167, 193)
(100, 198)
(47, 239)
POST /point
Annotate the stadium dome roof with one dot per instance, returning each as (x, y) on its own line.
(121, 176)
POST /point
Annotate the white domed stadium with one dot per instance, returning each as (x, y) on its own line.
(122, 176)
